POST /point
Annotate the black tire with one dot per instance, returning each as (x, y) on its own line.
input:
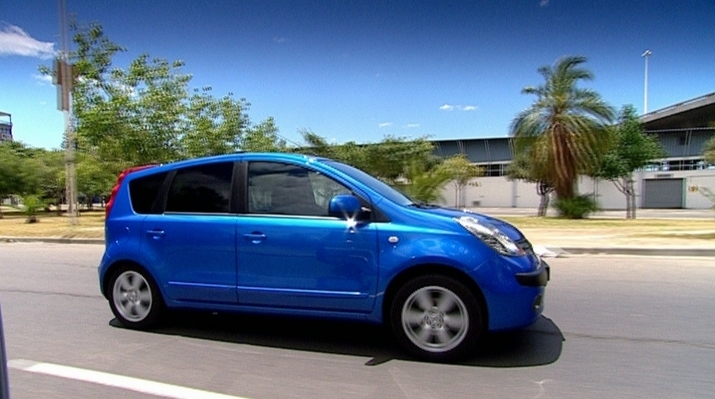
(134, 298)
(436, 318)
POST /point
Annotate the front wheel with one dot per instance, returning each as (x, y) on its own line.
(436, 318)
(134, 298)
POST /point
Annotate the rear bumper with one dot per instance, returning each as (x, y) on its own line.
(538, 278)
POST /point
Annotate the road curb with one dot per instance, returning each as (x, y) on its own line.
(53, 240)
(554, 251)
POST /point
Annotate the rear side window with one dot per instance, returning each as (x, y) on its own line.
(201, 189)
(144, 190)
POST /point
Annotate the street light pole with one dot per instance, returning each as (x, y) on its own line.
(66, 77)
(646, 55)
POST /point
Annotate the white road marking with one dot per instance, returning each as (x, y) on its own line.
(118, 381)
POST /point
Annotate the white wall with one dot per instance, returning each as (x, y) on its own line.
(500, 192)
(693, 198)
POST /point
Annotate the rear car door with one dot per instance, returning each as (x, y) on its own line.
(192, 244)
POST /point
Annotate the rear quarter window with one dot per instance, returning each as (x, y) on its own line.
(144, 190)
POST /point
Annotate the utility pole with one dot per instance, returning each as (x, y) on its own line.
(645, 55)
(64, 78)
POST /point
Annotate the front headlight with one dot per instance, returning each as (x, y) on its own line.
(491, 236)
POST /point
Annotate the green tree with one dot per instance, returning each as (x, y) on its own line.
(632, 149)
(31, 205)
(263, 137)
(461, 172)
(27, 171)
(147, 113)
(317, 145)
(93, 178)
(51, 176)
(423, 184)
(709, 149)
(520, 168)
(350, 152)
(390, 158)
(565, 128)
(211, 126)
(10, 171)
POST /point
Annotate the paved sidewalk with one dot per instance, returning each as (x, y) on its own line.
(610, 242)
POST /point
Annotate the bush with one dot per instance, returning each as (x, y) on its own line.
(32, 204)
(577, 207)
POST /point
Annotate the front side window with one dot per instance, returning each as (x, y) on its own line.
(201, 189)
(278, 188)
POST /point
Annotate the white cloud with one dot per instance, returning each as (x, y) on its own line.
(412, 125)
(449, 107)
(385, 124)
(279, 40)
(544, 3)
(15, 41)
(42, 79)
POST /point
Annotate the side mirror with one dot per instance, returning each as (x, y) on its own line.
(344, 206)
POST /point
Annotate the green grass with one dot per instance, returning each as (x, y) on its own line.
(89, 225)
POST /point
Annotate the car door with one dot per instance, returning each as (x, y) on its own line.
(292, 254)
(192, 244)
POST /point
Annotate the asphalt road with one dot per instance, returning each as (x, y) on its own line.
(625, 327)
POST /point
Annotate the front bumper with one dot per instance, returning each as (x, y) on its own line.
(538, 278)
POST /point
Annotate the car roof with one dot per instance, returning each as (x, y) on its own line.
(240, 156)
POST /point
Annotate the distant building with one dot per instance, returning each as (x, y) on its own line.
(672, 182)
(5, 126)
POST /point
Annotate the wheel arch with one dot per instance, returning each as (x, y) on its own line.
(433, 269)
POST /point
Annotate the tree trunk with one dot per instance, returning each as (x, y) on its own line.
(632, 190)
(543, 205)
(629, 202)
(544, 190)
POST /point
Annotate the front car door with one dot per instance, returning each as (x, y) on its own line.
(292, 254)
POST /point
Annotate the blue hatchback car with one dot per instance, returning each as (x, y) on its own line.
(289, 234)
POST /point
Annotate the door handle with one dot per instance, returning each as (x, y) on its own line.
(155, 234)
(255, 238)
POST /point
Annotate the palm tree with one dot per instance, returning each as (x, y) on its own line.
(564, 130)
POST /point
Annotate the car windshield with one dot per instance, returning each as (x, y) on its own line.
(376, 184)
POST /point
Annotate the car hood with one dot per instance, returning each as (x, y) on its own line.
(507, 228)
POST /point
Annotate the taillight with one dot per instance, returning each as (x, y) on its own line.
(115, 189)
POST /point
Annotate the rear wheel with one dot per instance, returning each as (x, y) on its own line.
(134, 298)
(436, 318)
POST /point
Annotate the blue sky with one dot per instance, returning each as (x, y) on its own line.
(362, 70)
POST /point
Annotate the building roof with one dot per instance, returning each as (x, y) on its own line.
(682, 130)
(694, 113)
